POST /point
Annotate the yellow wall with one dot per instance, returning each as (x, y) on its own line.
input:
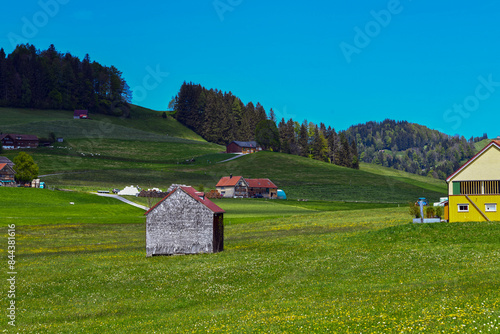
(473, 215)
(484, 168)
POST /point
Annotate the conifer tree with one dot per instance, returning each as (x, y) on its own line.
(354, 155)
(304, 140)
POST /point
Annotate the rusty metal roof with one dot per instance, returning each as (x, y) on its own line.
(193, 193)
(16, 136)
(260, 183)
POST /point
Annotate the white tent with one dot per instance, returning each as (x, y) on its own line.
(129, 191)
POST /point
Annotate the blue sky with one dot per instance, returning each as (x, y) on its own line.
(340, 63)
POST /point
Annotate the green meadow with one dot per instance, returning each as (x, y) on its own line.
(343, 259)
(82, 268)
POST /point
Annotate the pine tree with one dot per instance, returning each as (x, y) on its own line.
(304, 140)
(354, 155)
(282, 128)
(345, 158)
(272, 115)
(319, 146)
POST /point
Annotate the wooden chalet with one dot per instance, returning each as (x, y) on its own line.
(7, 175)
(243, 147)
(474, 189)
(262, 187)
(232, 186)
(184, 222)
(12, 141)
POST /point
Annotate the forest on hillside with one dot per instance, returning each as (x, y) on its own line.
(412, 147)
(222, 117)
(48, 79)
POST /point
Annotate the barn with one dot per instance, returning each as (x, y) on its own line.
(232, 186)
(243, 147)
(262, 188)
(12, 141)
(474, 189)
(80, 114)
(184, 222)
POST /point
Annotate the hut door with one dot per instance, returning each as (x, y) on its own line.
(218, 233)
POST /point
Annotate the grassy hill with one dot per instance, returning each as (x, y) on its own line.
(82, 269)
(149, 151)
(143, 124)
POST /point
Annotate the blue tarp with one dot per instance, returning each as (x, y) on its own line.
(281, 194)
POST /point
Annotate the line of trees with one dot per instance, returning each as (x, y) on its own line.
(48, 79)
(222, 117)
(216, 116)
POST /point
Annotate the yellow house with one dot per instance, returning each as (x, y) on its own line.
(474, 189)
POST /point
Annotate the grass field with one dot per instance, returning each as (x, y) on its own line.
(82, 269)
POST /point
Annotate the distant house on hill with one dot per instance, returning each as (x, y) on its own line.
(184, 222)
(81, 114)
(262, 187)
(7, 175)
(232, 186)
(244, 147)
(12, 141)
(474, 189)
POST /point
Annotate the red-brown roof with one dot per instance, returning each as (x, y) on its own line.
(81, 112)
(2, 166)
(493, 142)
(21, 137)
(228, 181)
(260, 183)
(192, 192)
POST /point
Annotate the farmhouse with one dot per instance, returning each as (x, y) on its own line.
(81, 114)
(7, 174)
(14, 141)
(262, 187)
(232, 186)
(244, 147)
(474, 189)
(184, 222)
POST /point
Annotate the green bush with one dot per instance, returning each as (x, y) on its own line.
(429, 212)
(414, 210)
(439, 211)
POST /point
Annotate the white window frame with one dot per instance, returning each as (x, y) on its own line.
(490, 207)
(459, 205)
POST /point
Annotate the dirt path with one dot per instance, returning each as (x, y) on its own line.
(124, 200)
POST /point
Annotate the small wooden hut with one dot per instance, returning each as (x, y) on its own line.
(184, 222)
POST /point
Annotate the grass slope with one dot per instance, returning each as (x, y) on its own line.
(315, 180)
(143, 124)
(110, 152)
(342, 272)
